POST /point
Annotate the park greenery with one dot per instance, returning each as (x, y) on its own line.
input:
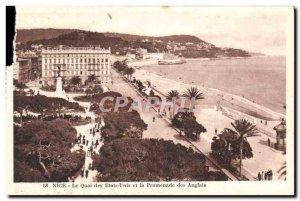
(232, 144)
(43, 105)
(186, 123)
(122, 124)
(109, 104)
(151, 160)
(92, 93)
(42, 152)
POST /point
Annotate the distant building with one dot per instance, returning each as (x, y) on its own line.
(22, 70)
(141, 51)
(76, 61)
(155, 55)
(35, 67)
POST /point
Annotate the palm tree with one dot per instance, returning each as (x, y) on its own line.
(172, 96)
(193, 94)
(282, 171)
(242, 129)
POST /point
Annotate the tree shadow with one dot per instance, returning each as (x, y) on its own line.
(178, 137)
(265, 143)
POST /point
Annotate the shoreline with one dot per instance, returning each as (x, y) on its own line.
(223, 58)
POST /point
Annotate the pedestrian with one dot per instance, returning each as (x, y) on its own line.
(86, 174)
(94, 134)
(266, 175)
(216, 131)
(269, 142)
(271, 175)
(259, 176)
(180, 133)
(90, 131)
(92, 142)
(82, 172)
(87, 142)
(153, 119)
(83, 141)
(266, 122)
(262, 175)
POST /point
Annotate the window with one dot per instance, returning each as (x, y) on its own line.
(106, 60)
(80, 72)
(102, 60)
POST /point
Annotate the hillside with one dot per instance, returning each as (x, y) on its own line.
(175, 38)
(183, 45)
(25, 35)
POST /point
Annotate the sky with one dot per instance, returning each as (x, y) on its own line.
(256, 29)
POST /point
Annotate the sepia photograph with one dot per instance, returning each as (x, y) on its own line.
(162, 100)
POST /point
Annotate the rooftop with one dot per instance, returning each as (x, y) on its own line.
(67, 48)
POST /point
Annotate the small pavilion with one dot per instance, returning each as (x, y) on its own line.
(280, 135)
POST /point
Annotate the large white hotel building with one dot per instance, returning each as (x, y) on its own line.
(76, 61)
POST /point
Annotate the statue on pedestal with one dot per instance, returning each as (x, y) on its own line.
(58, 72)
(59, 89)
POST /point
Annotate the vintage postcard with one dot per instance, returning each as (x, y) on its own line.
(163, 100)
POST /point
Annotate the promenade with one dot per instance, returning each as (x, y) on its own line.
(264, 157)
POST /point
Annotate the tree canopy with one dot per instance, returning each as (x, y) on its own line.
(39, 104)
(123, 124)
(129, 159)
(42, 152)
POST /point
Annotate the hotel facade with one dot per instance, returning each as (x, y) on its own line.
(76, 61)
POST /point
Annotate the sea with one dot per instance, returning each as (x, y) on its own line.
(259, 79)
